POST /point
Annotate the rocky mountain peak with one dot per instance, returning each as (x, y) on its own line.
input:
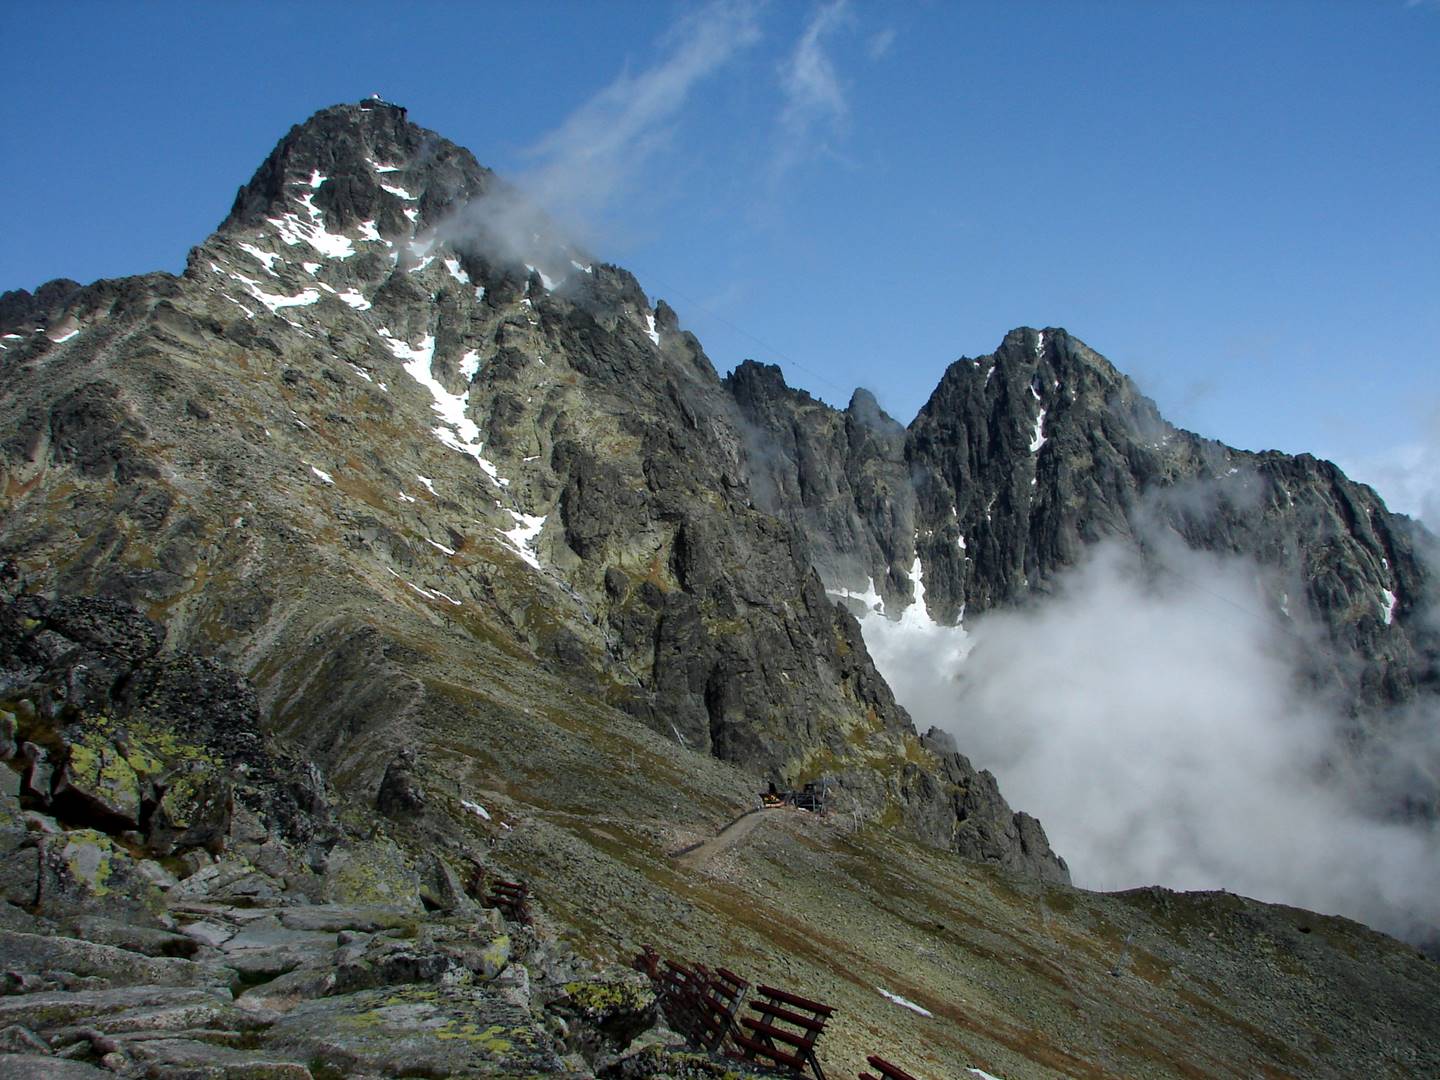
(752, 380)
(359, 163)
(1049, 365)
(864, 404)
(412, 395)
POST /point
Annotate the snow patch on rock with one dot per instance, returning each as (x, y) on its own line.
(905, 1002)
(453, 265)
(523, 536)
(266, 259)
(294, 231)
(456, 430)
(1037, 440)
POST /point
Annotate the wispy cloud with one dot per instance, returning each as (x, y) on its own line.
(880, 44)
(1406, 476)
(585, 164)
(814, 96)
(589, 164)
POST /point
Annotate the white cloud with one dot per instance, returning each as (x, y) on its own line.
(1155, 724)
(1407, 477)
(593, 159)
(814, 97)
(589, 159)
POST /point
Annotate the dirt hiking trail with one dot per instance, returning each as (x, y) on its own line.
(725, 839)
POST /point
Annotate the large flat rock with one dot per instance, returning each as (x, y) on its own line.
(337, 917)
(42, 1067)
(196, 1059)
(415, 1031)
(211, 1015)
(54, 1009)
(38, 954)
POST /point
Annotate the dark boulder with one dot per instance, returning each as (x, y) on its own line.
(401, 794)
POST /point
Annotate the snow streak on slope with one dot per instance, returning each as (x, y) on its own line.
(457, 430)
(904, 1002)
(523, 537)
(1037, 439)
(1154, 721)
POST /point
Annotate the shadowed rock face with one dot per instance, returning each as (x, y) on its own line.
(1023, 459)
(840, 477)
(376, 433)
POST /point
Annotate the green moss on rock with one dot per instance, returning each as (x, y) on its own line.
(601, 997)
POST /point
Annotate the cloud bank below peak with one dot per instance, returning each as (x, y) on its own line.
(1153, 718)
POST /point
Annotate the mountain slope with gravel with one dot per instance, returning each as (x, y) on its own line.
(397, 548)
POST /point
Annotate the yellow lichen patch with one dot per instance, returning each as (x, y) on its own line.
(99, 767)
(496, 955)
(373, 872)
(149, 747)
(411, 995)
(490, 1039)
(607, 996)
(87, 854)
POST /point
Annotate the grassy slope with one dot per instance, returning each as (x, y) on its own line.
(1022, 979)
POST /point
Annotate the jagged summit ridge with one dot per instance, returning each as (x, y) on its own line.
(839, 477)
(365, 154)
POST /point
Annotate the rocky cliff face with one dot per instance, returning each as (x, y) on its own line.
(1024, 458)
(840, 477)
(373, 432)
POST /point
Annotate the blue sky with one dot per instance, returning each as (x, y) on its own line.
(1237, 202)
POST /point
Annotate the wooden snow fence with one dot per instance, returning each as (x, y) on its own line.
(719, 1002)
(512, 898)
(784, 1033)
(699, 1002)
(885, 1069)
